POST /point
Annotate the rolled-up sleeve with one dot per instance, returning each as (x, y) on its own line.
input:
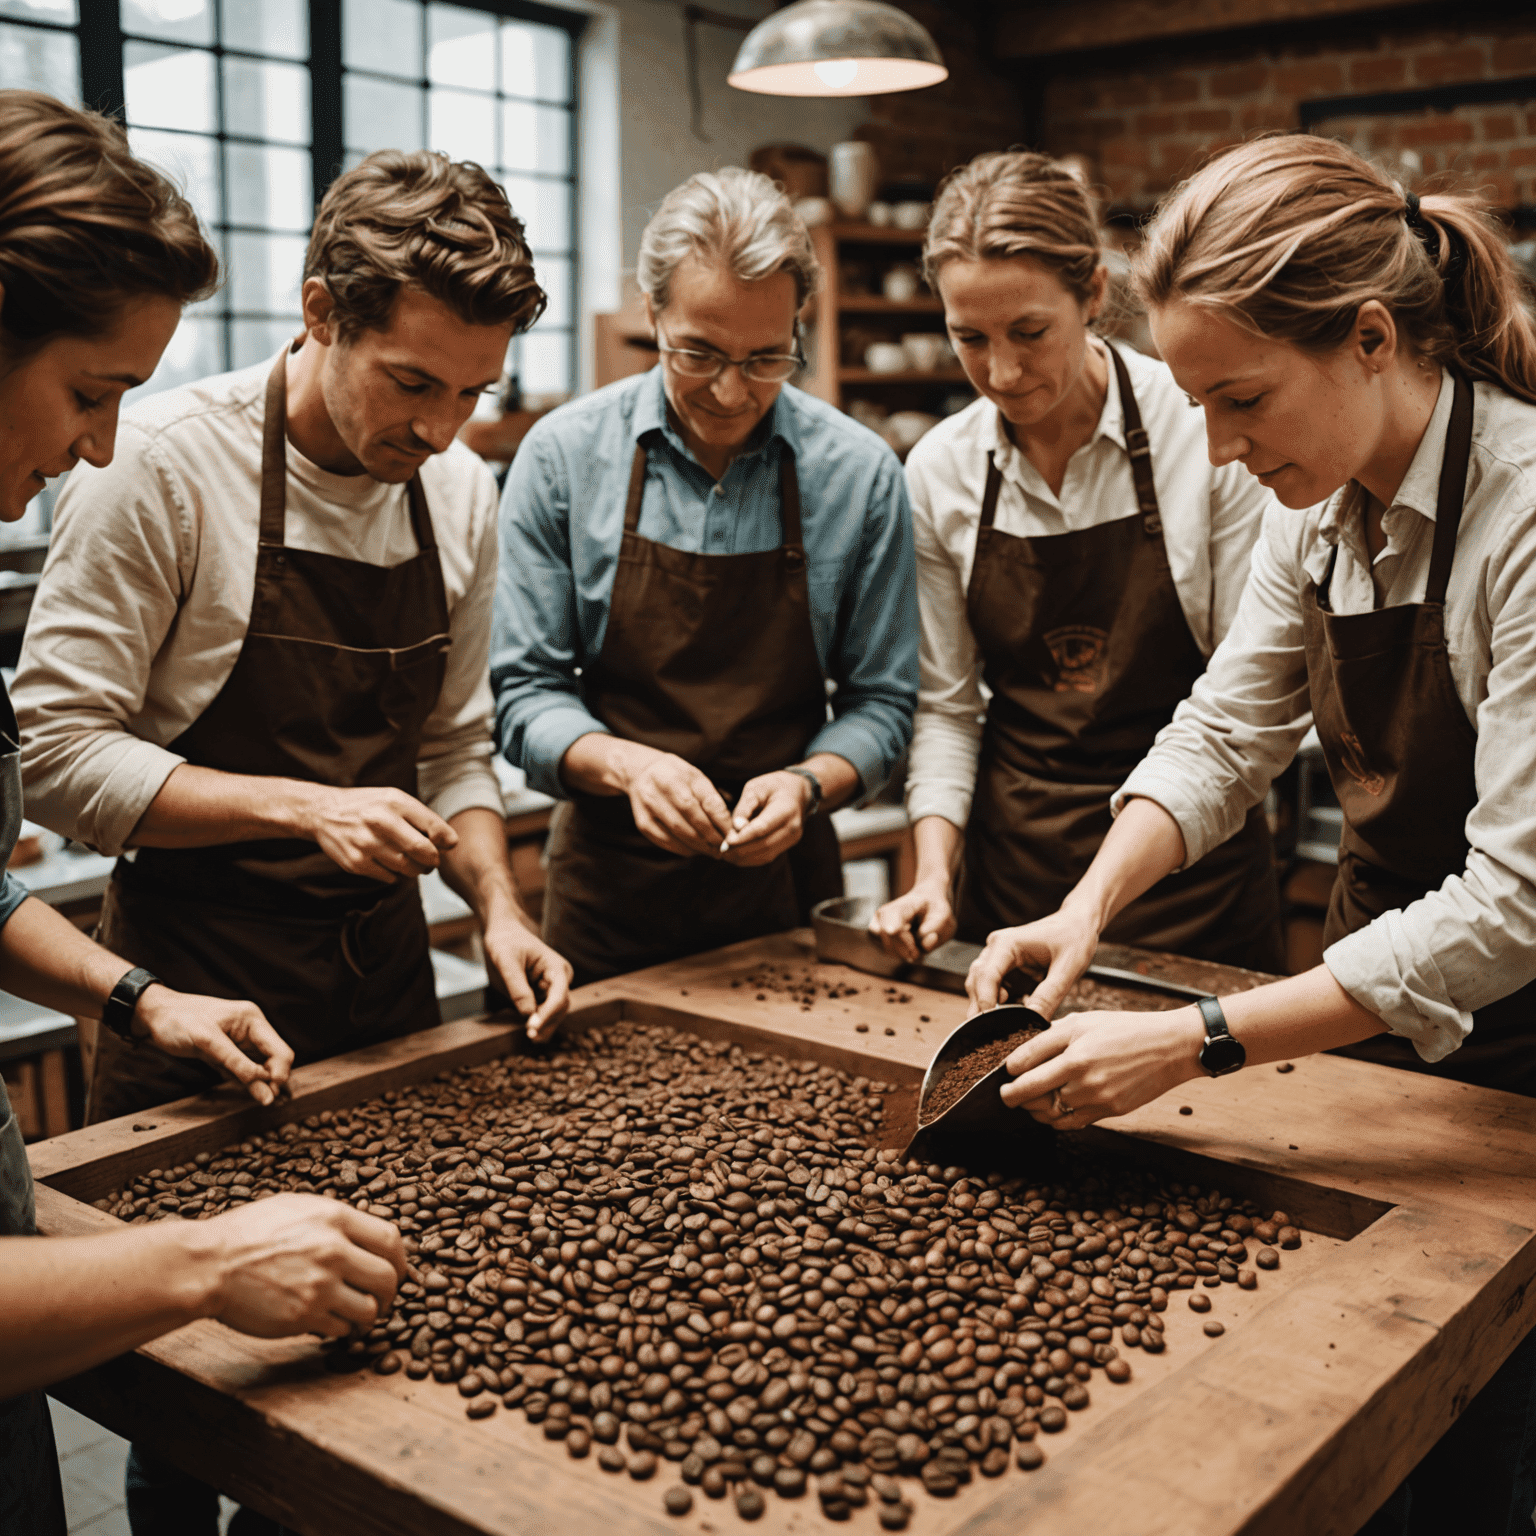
(107, 599)
(874, 660)
(536, 638)
(1427, 967)
(1245, 717)
(946, 735)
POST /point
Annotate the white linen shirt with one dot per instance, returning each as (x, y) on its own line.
(146, 597)
(1425, 968)
(1211, 518)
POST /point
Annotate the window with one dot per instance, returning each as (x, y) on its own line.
(254, 105)
(493, 84)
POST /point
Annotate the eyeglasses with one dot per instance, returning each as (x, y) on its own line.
(764, 368)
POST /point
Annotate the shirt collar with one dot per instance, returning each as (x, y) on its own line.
(651, 417)
(1111, 423)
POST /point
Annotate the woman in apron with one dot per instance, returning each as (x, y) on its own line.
(78, 326)
(1371, 358)
(1078, 555)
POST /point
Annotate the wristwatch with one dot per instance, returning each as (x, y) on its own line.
(1221, 1053)
(815, 783)
(118, 1013)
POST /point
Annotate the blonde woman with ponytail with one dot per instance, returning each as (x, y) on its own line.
(1369, 356)
(1079, 555)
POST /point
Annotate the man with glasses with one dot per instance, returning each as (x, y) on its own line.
(706, 615)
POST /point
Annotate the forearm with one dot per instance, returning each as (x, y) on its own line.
(480, 871)
(939, 844)
(69, 1303)
(600, 764)
(202, 807)
(838, 777)
(1299, 1016)
(46, 959)
(1143, 845)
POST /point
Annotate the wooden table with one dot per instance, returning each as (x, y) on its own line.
(1412, 1285)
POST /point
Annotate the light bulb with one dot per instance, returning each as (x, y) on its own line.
(836, 73)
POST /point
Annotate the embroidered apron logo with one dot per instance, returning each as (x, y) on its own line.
(1079, 653)
(1353, 755)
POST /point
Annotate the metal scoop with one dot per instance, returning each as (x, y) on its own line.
(979, 1114)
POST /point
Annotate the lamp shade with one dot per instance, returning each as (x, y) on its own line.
(837, 48)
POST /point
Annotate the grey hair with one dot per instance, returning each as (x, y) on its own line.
(737, 218)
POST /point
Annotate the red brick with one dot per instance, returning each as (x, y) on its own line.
(1499, 125)
(1488, 160)
(1068, 96)
(1270, 115)
(1134, 91)
(1436, 129)
(1124, 150)
(1177, 89)
(1513, 55)
(1441, 64)
(1208, 119)
(1313, 78)
(1241, 80)
(1501, 191)
(1148, 123)
(1523, 156)
(1374, 74)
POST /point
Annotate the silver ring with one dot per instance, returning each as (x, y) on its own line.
(1060, 1105)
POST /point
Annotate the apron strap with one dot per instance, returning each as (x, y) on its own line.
(789, 503)
(421, 515)
(274, 455)
(1453, 489)
(1139, 446)
(989, 496)
(636, 491)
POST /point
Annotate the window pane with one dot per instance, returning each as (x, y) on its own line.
(382, 34)
(462, 125)
(265, 273)
(535, 138)
(554, 274)
(253, 341)
(190, 161)
(544, 366)
(535, 61)
(196, 350)
(545, 209)
(169, 87)
(462, 47)
(33, 59)
(267, 101)
(41, 10)
(270, 187)
(380, 114)
(268, 26)
(177, 21)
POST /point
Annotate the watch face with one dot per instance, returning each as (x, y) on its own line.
(1222, 1054)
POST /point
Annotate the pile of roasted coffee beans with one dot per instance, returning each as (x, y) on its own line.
(800, 984)
(670, 1251)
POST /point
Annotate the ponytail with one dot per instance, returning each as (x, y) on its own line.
(1290, 234)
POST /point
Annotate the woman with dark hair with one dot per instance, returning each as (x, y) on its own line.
(98, 255)
(1372, 358)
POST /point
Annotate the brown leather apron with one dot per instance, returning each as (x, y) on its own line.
(1087, 653)
(1400, 753)
(710, 657)
(341, 666)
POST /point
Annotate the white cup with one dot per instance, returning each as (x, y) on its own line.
(910, 215)
(925, 351)
(879, 213)
(900, 285)
(886, 357)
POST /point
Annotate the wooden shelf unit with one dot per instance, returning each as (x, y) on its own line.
(836, 310)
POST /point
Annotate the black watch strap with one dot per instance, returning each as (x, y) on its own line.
(1221, 1053)
(815, 783)
(118, 1013)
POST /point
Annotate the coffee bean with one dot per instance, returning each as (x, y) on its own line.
(1118, 1370)
(612, 1459)
(1214, 1329)
(749, 1503)
(678, 1500)
(481, 1407)
(578, 1443)
(642, 1465)
(1052, 1420)
(1027, 1455)
(1289, 1237)
(995, 1462)
(1267, 1258)
(894, 1517)
(1286, 1066)
(789, 1482)
(1075, 1397)
(1247, 1280)
(1199, 1303)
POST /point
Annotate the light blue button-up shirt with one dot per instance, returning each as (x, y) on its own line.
(562, 519)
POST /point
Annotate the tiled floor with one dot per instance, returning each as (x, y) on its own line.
(91, 1465)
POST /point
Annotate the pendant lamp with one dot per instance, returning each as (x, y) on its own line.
(837, 48)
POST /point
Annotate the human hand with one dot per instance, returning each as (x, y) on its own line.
(381, 833)
(677, 807)
(1091, 1065)
(769, 819)
(912, 925)
(529, 968)
(221, 1033)
(1063, 943)
(302, 1264)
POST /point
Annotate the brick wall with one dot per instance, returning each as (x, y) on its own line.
(920, 136)
(1145, 127)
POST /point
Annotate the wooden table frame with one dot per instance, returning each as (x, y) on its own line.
(1302, 1419)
